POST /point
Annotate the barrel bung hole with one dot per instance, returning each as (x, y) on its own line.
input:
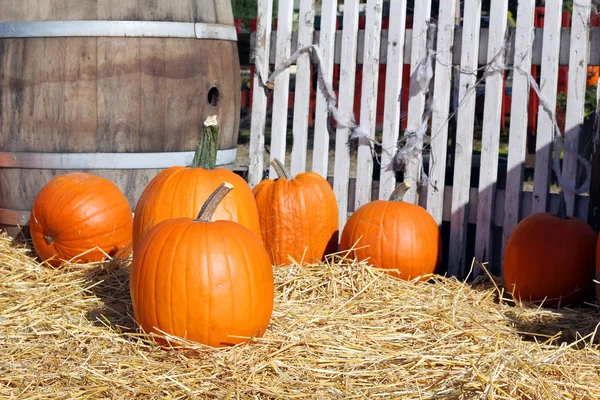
(213, 96)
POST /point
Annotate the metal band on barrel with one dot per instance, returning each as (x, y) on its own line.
(106, 160)
(156, 29)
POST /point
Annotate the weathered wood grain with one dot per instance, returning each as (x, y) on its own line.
(111, 94)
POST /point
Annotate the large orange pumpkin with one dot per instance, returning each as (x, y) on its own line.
(180, 191)
(550, 258)
(298, 217)
(400, 237)
(209, 282)
(80, 217)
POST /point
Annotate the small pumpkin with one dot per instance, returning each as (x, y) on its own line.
(550, 258)
(298, 217)
(400, 237)
(207, 281)
(80, 217)
(180, 191)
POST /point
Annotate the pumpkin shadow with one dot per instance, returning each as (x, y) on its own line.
(577, 326)
(109, 282)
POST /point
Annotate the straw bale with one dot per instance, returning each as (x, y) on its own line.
(339, 329)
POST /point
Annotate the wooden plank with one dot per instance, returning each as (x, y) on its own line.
(416, 102)
(209, 11)
(118, 10)
(223, 10)
(118, 93)
(153, 86)
(302, 88)
(490, 142)
(442, 87)
(345, 106)
(393, 86)
(579, 50)
(81, 10)
(282, 84)
(548, 85)
(259, 96)
(368, 101)
(517, 142)
(320, 159)
(79, 98)
(464, 138)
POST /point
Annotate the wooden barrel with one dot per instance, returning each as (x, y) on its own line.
(119, 89)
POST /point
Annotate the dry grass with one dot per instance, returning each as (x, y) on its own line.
(339, 330)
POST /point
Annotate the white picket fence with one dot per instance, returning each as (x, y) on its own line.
(428, 108)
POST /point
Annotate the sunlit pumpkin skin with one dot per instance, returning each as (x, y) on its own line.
(551, 259)
(298, 217)
(399, 237)
(207, 281)
(82, 218)
(180, 192)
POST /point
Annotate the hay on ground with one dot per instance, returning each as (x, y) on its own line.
(339, 330)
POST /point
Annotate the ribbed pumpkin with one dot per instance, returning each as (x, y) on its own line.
(298, 217)
(80, 217)
(394, 235)
(181, 191)
(209, 282)
(550, 258)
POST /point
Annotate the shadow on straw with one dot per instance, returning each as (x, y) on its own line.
(109, 282)
(549, 323)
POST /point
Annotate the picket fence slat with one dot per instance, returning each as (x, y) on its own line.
(416, 102)
(345, 106)
(464, 137)
(327, 46)
(392, 99)
(368, 106)
(302, 89)
(259, 96)
(548, 86)
(442, 87)
(576, 95)
(517, 141)
(279, 118)
(490, 135)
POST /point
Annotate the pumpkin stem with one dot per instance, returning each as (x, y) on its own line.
(280, 169)
(400, 191)
(49, 238)
(211, 204)
(206, 153)
(562, 207)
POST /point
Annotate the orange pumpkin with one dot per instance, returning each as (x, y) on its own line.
(298, 217)
(400, 237)
(80, 217)
(180, 191)
(209, 282)
(550, 258)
